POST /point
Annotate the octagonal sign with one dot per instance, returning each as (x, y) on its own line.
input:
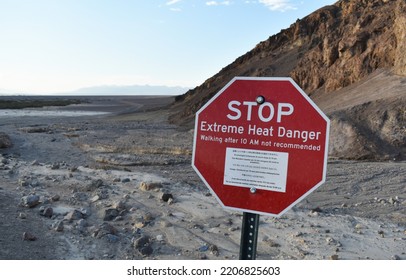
(261, 145)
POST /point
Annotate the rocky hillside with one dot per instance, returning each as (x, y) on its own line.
(335, 54)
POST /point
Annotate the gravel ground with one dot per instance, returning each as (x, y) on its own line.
(121, 186)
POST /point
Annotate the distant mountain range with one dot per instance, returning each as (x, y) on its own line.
(130, 90)
(114, 90)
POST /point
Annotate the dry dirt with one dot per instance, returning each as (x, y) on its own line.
(89, 171)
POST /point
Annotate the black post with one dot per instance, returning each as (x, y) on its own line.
(249, 236)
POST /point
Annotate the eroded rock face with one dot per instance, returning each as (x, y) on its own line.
(331, 49)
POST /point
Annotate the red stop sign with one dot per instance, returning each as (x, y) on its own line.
(261, 145)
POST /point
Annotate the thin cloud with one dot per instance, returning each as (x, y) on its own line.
(217, 3)
(175, 9)
(278, 5)
(171, 2)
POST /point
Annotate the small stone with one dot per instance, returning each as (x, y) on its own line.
(104, 229)
(125, 180)
(110, 214)
(140, 224)
(316, 210)
(55, 166)
(22, 216)
(74, 215)
(334, 257)
(202, 256)
(73, 168)
(94, 184)
(148, 217)
(170, 201)
(58, 226)
(359, 226)
(23, 183)
(233, 228)
(141, 243)
(30, 201)
(55, 198)
(214, 224)
(203, 248)
(95, 198)
(166, 196)
(214, 250)
(395, 257)
(81, 225)
(159, 237)
(5, 141)
(148, 186)
(120, 205)
(166, 224)
(118, 218)
(29, 236)
(47, 212)
(147, 250)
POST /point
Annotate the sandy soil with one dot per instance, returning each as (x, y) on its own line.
(120, 186)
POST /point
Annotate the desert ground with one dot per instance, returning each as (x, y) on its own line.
(120, 186)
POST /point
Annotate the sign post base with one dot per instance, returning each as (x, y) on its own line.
(249, 236)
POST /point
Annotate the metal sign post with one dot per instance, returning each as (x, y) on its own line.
(249, 236)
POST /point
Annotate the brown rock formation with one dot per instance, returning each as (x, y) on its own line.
(326, 52)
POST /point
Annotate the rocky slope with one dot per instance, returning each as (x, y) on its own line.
(335, 54)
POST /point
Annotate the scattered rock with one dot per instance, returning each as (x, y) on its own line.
(30, 201)
(110, 214)
(395, 257)
(5, 141)
(55, 166)
(148, 186)
(58, 226)
(22, 216)
(214, 250)
(334, 257)
(74, 215)
(46, 211)
(143, 245)
(55, 198)
(166, 224)
(104, 229)
(93, 185)
(95, 198)
(203, 248)
(120, 205)
(166, 196)
(332, 241)
(23, 183)
(125, 180)
(81, 225)
(142, 241)
(29, 236)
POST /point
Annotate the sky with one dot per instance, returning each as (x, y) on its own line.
(54, 46)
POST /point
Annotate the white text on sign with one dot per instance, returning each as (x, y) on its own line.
(266, 111)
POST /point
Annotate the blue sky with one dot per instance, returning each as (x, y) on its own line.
(50, 46)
